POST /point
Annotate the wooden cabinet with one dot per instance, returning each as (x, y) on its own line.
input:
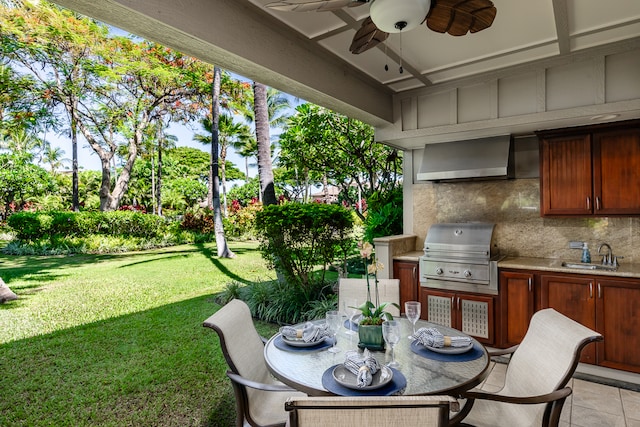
(407, 273)
(616, 172)
(606, 304)
(618, 320)
(473, 314)
(516, 306)
(573, 296)
(590, 171)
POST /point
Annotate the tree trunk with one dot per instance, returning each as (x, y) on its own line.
(153, 182)
(223, 178)
(221, 241)
(75, 202)
(265, 171)
(159, 179)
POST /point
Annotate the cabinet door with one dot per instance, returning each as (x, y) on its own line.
(516, 306)
(616, 172)
(565, 176)
(574, 297)
(618, 320)
(475, 316)
(407, 273)
(437, 306)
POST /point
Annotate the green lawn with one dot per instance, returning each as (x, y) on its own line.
(117, 340)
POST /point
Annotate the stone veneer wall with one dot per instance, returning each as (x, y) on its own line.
(514, 206)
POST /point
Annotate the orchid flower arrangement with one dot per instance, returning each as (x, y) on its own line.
(373, 314)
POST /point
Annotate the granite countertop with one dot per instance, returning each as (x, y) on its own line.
(548, 264)
(409, 256)
(543, 264)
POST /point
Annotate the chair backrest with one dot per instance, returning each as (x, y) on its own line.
(388, 290)
(371, 411)
(243, 350)
(547, 357)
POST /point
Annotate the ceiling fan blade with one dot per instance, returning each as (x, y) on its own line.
(458, 17)
(367, 37)
(313, 5)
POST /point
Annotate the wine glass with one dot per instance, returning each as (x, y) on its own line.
(349, 308)
(333, 319)
(412, 310)
(391, 334)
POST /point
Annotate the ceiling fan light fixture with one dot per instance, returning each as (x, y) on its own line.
(394, 16)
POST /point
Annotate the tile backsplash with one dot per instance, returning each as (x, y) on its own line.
(514, 206)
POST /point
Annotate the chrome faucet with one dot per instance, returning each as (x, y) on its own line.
(607, 259)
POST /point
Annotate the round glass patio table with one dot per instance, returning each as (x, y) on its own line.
(303, 370)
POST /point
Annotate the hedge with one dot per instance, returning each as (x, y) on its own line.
(36, 225)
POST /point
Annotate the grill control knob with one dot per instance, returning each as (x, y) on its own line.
(439, 271)
(467, 273)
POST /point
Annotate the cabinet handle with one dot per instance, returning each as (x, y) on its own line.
(588, 203)
(597, 203)
(458, 303)
(413, 272)
(599, 290)
(529, 284)
(590, 290)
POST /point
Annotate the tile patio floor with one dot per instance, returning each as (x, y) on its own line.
(590, 405)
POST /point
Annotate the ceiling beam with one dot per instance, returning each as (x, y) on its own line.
(561, 15)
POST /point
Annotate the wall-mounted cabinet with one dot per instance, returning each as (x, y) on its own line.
(592, 171)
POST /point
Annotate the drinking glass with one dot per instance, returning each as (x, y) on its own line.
(349, 308)
(334, 319)
(391, 334)
(412, 310)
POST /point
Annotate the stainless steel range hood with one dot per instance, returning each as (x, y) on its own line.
(485, 158)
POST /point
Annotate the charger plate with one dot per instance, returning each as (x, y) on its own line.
(346, 378)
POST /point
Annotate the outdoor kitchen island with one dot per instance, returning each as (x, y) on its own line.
(606, 301)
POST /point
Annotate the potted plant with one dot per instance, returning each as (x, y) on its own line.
(370, 326)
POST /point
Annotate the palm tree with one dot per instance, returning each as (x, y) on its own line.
(53, 157)
(163, 141)
(20, 140)
(214, 192)
(268, 111)
(230, 133)
(246, 148)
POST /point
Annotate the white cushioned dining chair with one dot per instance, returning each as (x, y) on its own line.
(388, 290)
(535, 384)
(259, 397)
(370, 411)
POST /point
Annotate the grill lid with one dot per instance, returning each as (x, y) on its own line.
(459, 240)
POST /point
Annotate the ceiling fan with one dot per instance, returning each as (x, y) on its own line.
(455, 17)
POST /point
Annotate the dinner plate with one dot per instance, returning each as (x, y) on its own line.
(346, 378)
(299, 342)
(450, 350)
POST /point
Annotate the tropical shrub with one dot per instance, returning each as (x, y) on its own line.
(298, 238)
(241, 221)
(384, 215)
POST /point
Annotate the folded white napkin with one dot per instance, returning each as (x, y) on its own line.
(362, 366)
(431, 337)
(309, 332)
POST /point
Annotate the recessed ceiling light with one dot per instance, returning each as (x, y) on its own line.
(601, 117)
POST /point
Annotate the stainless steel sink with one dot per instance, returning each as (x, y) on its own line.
(585, 266)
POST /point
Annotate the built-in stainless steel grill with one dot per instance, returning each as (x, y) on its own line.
(461, 257)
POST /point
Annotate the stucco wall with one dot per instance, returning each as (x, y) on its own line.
(514, 206)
